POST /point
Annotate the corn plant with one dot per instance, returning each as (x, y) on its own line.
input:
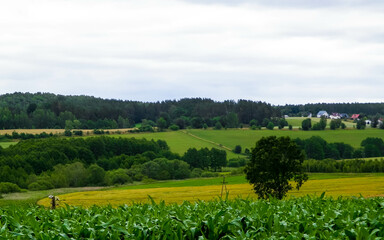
(301, 218)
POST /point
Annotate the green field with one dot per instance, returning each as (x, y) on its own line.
(296, 121)
(7, 144)
(180, 141)
(248, 138)
(298, 218)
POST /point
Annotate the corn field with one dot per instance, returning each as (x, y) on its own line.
(301, 218)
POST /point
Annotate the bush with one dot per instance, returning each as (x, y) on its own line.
(174, 127)
(118, 176)
(236, 162)
(196, 173)
(67, 133)
(78, 133)
(237, 149)
(218, 126)
(7, 187)
(270, 126)
(237, 171)
(306, 124)
(40, 185)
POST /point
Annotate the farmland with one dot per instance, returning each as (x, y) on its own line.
(302, 218)
(180, 141)
(334, 185)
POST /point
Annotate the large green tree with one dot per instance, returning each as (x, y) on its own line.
(274, 162)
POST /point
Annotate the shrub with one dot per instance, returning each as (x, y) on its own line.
(174, 127)
(67, 133)
(237, 149)
(209, 174)
(196, 173)
(218, 126)
(40, 185)
(78, 133)
(270, 126)
(118, 176)
(7, 187)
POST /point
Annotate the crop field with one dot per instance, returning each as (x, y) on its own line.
(300, 218)
(367, 186)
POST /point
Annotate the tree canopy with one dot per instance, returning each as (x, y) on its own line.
(274, 162)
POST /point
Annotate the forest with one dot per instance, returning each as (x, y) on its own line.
(96, 161)
(47, 110)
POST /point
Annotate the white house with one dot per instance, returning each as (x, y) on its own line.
(368, 122)
(335, 116)
(322, 113)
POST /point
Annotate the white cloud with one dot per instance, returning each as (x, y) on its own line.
(150, 50)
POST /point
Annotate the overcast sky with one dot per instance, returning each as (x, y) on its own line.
(277, 51)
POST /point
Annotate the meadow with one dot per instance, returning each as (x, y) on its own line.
(180, 141)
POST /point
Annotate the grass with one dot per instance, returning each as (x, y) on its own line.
(179, 141)
(247, 138)
(7, 144)
(296, 121)
(31, 197)
(207, 189)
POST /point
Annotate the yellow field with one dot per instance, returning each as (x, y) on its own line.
(366, 186)
(58, 131)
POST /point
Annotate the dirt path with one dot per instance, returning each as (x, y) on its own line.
(208, 141)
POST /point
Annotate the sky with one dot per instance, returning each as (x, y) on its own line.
(275, 51)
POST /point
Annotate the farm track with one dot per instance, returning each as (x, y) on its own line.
(208, 141)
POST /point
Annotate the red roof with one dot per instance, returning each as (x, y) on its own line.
(355, 116)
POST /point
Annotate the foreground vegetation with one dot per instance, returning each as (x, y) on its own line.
(302, 218)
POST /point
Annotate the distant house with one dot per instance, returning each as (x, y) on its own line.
(355, 116)
(368, 122)
(335, 116)
(344, 115)
(310, 115)
(322, 113)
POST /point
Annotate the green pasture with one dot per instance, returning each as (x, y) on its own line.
(7, 144)
(179, 141)
(247, 138)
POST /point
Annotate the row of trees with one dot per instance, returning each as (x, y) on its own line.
(348, 166)
(45, 110)
(317, 148)
(306, 124)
